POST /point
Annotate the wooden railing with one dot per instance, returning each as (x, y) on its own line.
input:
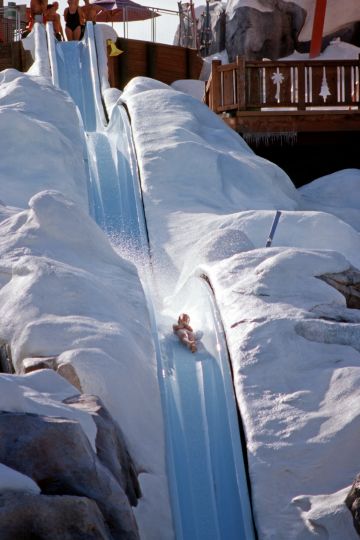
(244, 86)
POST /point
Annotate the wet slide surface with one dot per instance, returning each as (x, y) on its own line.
(73, 65)
(200, 406)
(205, 464)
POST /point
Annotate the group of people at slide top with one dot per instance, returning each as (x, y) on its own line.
(75, 17)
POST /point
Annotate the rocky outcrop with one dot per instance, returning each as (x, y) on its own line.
(57, 455)
(27, 517)
(66, 370)
(352, 501)
(110, 445)
(256, 34)
(348, 284)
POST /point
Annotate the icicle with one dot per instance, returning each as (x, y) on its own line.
(269, 138)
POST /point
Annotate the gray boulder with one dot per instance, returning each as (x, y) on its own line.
(110, 444)
(259, 34)
(57, 455)
(42, 517)
(352, 501)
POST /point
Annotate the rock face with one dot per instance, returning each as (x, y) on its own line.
(27, 517)
(57, 455)
(348, 283)
(66, 370)
(352, 501)
(110, 445)
(259, 34)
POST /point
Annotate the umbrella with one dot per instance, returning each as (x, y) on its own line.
(122, 11)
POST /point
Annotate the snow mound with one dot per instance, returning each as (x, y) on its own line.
(50, 158)
(196, 143)
(336, 193)
(298, 396)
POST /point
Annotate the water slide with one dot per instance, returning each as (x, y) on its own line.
(206, 472)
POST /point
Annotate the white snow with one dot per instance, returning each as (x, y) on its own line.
(336, 50)
(210, 202)
(11, 480)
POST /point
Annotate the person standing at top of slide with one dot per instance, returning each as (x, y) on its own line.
(37, 10)
(90, 11)
(75, 21)
(52, 16)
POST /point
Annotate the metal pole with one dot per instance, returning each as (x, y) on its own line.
(318, 28)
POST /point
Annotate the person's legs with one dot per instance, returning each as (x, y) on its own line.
(69, 33)
(77, 33)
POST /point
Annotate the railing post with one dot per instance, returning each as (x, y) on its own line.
(240, 82)
(301, 86)
(215, 92)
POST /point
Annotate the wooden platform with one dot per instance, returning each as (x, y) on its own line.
(166, 63)
(303, 116)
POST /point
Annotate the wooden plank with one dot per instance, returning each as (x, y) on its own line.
(215, 94)
(253, 87)
(240, 82)
(294, 121)
(166, 63)
(228, 89)
(301, 86)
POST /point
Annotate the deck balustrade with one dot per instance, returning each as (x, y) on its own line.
(301, 85)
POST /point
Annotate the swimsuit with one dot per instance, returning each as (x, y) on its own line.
(72, 20)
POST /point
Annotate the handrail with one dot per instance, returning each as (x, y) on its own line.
(253, 85)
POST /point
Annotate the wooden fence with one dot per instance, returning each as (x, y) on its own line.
(166, 63)
(247, 86)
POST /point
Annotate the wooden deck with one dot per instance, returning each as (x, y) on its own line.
(304, 116)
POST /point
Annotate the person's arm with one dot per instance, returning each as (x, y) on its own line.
(65, 13)
(59, 26)
(82, 16)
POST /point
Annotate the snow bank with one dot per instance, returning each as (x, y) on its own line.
(193, 166)
(46, 119)
(336, 193)
(300, 440)
(337, 50)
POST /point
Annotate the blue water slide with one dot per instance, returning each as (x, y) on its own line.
(207, 479)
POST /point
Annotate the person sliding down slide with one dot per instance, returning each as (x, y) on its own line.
(184, 332)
